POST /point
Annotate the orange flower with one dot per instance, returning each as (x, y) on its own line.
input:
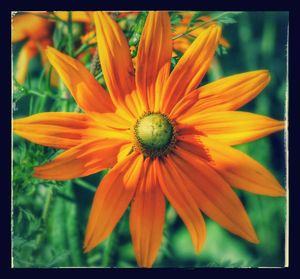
(182, 43)
(37, 31)
(162, 136)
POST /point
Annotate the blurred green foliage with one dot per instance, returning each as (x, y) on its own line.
(49, 217)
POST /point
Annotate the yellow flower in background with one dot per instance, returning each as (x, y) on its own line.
(162, 135)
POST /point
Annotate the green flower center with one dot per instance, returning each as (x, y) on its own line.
(155, 134)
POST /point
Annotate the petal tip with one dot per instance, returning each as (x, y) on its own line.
(281, 192)
(87, 247)
(266, 75)
(252, 236)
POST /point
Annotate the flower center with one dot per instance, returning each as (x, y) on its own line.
(154, 134)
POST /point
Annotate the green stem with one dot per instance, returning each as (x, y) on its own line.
(84, 48)
(45, 213)
(43, 95)
(41, 78)
(99, 75)
(70, 35)
(85, 185)
(47, 203)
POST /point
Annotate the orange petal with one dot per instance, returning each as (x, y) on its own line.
(27, 52)
(112, 198)
(54, 129)
(147, 215)
(88, 37)
(184, 105)
(173, 186)
(223, 42)
(115, 120)
(125, 150)
(234, 127)
(116, 63)
(154, 56)
(191, 68)
(230, 93)
(213, 194)
(87, 92)
(87, 158)
(188, 143)
(240, 170)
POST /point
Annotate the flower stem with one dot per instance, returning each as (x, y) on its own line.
(41, 235)
(85, 185)
(70, 35)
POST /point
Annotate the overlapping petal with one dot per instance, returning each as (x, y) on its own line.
(174, 187)
(229, 93)
(213, 194)
(191, 68)
(153, 58)
(54, 129)
(240, 170)
(112, 198)
(84, 159)
(234, 127)
(147, 215)
(87, 92)
(116, 63)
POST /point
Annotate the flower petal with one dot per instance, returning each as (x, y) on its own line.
(191, 68)
(82, 160)
(234, 127)
(213, 195)
(173, 186)
(87, 92)
(147, 215)
(112, 198)
(229, 93)
(241, 171)
(54, 129)
(116, 63)
(154, 55)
